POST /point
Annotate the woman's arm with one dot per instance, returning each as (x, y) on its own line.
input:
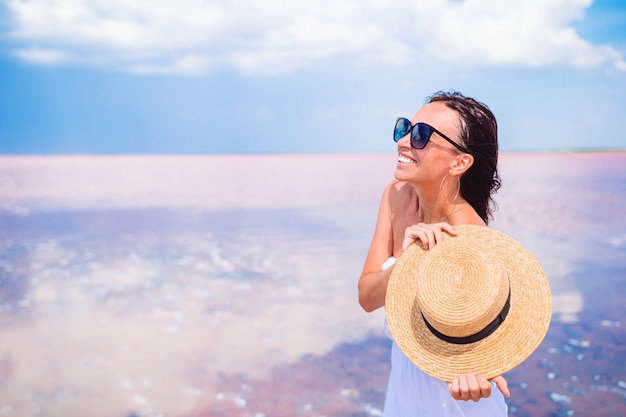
(373, 281)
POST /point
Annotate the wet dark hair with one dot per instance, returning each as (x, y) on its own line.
(479, 135)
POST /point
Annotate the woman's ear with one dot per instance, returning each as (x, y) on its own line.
(462, 164)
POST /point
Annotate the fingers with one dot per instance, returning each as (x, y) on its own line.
(470, 387)
(453, 387)
(429, 234)
(502, 385)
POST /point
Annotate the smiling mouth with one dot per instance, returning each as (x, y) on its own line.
(406, 160)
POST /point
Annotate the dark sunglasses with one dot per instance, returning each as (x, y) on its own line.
(420, 134)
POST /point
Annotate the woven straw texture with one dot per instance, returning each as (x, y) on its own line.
(463, 283)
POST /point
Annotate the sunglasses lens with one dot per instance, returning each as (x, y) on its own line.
(420, 135)
(402, 128)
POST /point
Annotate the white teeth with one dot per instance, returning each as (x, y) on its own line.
(405, 160)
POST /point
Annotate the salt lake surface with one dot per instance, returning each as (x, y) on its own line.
(226, 285)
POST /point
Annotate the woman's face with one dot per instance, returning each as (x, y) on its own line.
(433, 162)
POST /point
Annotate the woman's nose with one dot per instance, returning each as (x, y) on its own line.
(405, 141)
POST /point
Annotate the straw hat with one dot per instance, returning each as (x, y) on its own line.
(460, 291)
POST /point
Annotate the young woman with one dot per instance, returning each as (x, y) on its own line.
(445, 176)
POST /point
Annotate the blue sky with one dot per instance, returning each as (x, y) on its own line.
(287, 76)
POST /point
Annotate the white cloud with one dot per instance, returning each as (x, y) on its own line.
(42, 56)
(280, 36)
(187, 64)
(620, 65)
(532, 33)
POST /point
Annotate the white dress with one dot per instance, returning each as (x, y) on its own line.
(412, 393)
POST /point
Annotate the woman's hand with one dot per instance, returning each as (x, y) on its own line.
(475, 386)
(428, 234)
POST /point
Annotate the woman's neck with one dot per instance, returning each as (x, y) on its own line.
(437, 212)
(443, 204)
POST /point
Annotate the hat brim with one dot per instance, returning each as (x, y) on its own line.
(515, 339)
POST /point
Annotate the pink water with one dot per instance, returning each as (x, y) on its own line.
(226, 285)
